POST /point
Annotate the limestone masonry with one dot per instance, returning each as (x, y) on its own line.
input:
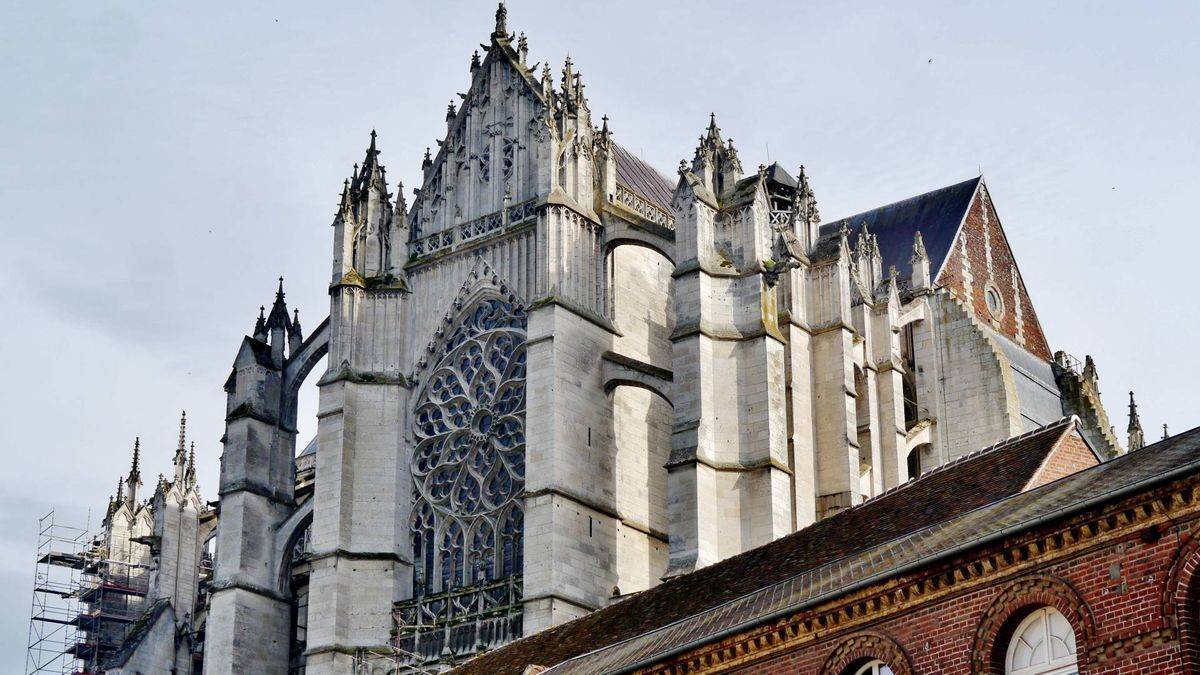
(555, 376)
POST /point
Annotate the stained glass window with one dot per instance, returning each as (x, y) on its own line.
(468, 463)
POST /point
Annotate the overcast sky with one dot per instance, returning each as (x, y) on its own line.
(161, 165)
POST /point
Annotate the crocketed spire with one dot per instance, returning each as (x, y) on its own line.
(1137, 439)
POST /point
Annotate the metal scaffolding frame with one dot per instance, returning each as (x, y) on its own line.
(58, 571)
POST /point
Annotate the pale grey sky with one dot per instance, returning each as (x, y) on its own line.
(162, 163)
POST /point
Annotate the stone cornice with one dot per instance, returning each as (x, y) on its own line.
(1021, 553)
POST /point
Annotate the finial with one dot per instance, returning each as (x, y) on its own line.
(501, 30)
(372, 148)
(182, 431)
(683, 167)
(522, 46)
(428, 161)
(1165, 434)
(279, 293)
(137, 452)
(450, 111)
(475, 61)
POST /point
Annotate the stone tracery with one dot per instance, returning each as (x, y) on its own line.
(468, 460)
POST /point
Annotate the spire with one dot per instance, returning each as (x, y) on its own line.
(920, 264)
(180, 456)
(1136, 438)
(260, 326)
(190, 473)
(135, 474)
(501, 31)
(715, 161)
(1165, 434)
(278, 319)
(401, 204)
(294, 328)
(120, 490)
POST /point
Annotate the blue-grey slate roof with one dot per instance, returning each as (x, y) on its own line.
(936, 214)
(645, 180)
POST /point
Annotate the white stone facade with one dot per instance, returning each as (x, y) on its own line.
(703, 369)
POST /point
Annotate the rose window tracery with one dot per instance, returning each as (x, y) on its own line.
(468, 461)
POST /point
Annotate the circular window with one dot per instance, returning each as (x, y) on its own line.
(995, 302)
(875, 667)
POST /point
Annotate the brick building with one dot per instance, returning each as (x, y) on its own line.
(1028, 557)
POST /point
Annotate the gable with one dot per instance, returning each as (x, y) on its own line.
(1070, 455)
(980, 261)
(489, 153)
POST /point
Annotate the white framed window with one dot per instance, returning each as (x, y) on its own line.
(995, 301)
(1043, 644)
(875, 667)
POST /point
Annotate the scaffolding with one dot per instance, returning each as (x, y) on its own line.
(85, 599)
(57, 575)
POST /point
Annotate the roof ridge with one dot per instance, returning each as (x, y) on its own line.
(898, 202)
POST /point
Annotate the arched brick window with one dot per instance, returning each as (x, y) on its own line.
(1042, 644)
(868, 654)
(1038, 625)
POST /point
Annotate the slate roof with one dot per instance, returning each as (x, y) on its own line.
(953, 505)
(937, 214)
(643, 179)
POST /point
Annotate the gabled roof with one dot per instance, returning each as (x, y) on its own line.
(643, 179)
(937, 214)
(819, 560)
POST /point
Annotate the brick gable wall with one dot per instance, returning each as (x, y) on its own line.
(968, 279)
(1131, 599)
(1070, 455)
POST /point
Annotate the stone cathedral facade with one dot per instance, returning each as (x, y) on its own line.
(556, 375)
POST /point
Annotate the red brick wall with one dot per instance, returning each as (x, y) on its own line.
(1121, 598)
(1072, 454)
(1003, 262)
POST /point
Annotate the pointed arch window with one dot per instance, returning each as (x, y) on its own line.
(468, 462)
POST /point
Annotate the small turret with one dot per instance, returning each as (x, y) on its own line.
(295, 335)
(1137, 439)
(260, 326)
(920, 264)
(278, 324)
(716, 161)
(808, 217)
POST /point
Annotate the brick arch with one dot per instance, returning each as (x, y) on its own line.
(1181, 600)
(863, 647)
(1014, 604)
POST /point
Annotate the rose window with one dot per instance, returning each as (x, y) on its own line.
(468, 462)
